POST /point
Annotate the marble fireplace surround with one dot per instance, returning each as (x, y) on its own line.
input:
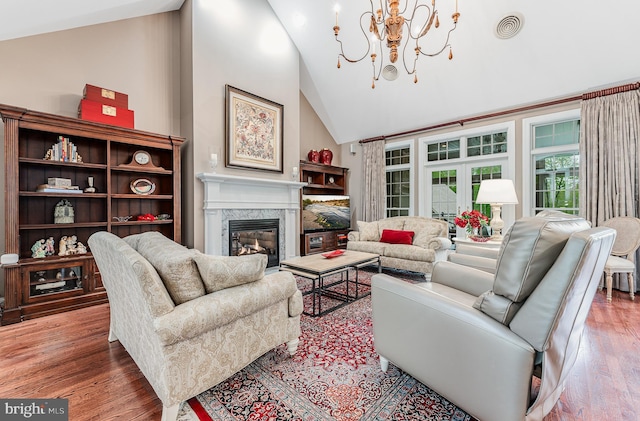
(231, 197)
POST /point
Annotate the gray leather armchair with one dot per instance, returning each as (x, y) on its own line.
(478, 339)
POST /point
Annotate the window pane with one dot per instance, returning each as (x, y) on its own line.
(555, 134)
(444, 200)
(487, 144)
(398, 186)
(473, 151)
(441, 151)
(556, 182)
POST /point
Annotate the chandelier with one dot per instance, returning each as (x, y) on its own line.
(386, 24)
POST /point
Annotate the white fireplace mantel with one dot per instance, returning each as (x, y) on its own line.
(232, 192)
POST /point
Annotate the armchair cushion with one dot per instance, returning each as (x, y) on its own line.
(409, 252)
(397, 236)
(173, 262)
(529, 249)
(368, 231)
(196, 317)
(221, 272)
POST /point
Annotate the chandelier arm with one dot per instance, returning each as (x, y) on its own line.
(413, 15)
(446, 44)
(366, 53)
(404, 54)
(427, 27)
(406, 6)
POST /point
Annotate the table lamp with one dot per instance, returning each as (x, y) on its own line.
(497, 192)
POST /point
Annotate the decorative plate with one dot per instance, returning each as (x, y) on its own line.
(333, 254)
(142, 186)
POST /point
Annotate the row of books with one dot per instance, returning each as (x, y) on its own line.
(64, 151)
(48, 188)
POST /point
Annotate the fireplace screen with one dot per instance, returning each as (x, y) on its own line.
(255, 236)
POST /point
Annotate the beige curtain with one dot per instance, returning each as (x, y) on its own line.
(374, 180)
(609, 154)
(609, 170)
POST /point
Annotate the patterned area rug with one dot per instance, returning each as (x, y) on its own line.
(335, 375)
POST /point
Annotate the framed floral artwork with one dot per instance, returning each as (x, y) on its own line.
(254, 131)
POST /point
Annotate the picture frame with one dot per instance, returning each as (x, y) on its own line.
(254, 131)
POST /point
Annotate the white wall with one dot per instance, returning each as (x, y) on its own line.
(241, 44)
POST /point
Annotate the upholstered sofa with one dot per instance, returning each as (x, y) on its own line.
(500, 346)
(429, 242)
(190, 320)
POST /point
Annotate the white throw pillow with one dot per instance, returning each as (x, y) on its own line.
(368, 231)
(221, 272)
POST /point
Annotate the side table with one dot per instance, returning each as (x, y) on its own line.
(479, 255)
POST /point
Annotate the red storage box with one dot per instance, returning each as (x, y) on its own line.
(102, 113)
(106, 96)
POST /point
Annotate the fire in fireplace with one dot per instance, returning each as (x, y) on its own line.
(255, 236)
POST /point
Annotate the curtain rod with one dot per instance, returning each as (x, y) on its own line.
(611, 91)
(590, 95)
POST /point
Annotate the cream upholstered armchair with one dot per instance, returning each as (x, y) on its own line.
(190, 320)
(478, 339)
(623, 254)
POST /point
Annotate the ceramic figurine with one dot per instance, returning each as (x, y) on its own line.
(81, 248)
(38, 249)
(62, 247)
(50, 246)
(71, 245)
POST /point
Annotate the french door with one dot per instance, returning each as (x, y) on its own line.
(453, 188)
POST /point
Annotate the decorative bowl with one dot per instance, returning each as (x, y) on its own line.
(479, 238)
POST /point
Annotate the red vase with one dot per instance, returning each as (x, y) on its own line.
(326, 156)
(313, 156)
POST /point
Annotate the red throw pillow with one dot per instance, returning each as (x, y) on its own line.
(397, 237)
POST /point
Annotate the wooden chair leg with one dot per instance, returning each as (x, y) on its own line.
(609, 283)
(632, 286)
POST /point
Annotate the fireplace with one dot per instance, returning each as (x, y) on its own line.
(252, 236)
(232, 197)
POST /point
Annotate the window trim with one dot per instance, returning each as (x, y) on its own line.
(423, 164)
(408, 143)
(528, 152)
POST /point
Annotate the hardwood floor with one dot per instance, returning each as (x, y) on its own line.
(68, 356)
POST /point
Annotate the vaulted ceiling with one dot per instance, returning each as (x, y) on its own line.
(564, 48)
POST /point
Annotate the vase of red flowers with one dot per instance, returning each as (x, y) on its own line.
(473, 222)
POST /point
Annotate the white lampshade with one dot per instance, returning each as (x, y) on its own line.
(498, 191)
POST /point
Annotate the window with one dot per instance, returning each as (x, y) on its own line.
(453, 164)
(553, 162)
(399, 176)
(556, 182)
(478, 174)
(443, 150)
(487, 144)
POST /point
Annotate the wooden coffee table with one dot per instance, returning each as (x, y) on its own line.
(317, 267)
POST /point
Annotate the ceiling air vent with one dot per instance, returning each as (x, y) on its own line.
(509, 26)
(390, 72)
